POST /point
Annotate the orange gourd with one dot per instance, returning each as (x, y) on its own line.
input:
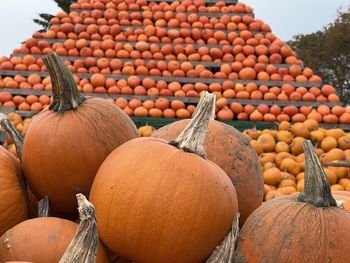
(290, 217)
(75, 131)
(176, 181)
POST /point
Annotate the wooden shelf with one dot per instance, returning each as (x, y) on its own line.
(343, 163)
(187, 100)
(194, 63)
(239, 125)
(172, 79)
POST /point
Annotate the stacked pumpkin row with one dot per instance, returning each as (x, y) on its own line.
(178, 6)
(230, 22)
(143, 85)
(226, 110)
(147, 16)
(175, 108)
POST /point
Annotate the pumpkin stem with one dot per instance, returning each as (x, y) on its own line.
(317, 190)
(17, 137)
(224, 253)
(191, 139)
(43, 207)
(65, 94)
(83, 247)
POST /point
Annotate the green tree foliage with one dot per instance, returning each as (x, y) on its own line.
(44, 18)
(327, 52)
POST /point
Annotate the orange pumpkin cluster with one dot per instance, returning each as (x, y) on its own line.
(134, 85)
(183, 6)
(282, 157)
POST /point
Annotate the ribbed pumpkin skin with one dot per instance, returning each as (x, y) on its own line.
(344, 196)
(13, 194)
(156, 203)
(226, 147)
(284, 230)
(62, 152)
(40, 240)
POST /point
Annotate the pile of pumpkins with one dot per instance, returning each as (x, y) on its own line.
(282, 157)
(180, 195)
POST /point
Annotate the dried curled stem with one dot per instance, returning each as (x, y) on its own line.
(17, 137)
(43, 207)
(83, 247)
(191, 139)
(65, 94)
(317, 190)
(225, 252)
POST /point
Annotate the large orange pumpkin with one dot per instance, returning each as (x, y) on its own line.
(305, 228)
(171, 204)
(66, 143)
(49, 239)
(13, 193)
(230, 150)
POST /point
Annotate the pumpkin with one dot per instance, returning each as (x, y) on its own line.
(300, 129)
(197, 195)
(76, 132)
(344, 142)
(284, 136)
(267, 141)
(13, 193)
(284, 229)
(226, 147)
(145, 131)
(333, 155)
(54, 235)
(281, 147)
(272, 176)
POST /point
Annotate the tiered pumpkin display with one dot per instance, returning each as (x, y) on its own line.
(226, 147)
(305, 228)
(173, 50)
(165, 202)
(51, 239)
(66, 143)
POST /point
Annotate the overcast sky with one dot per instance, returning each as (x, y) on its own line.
(285, 17)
